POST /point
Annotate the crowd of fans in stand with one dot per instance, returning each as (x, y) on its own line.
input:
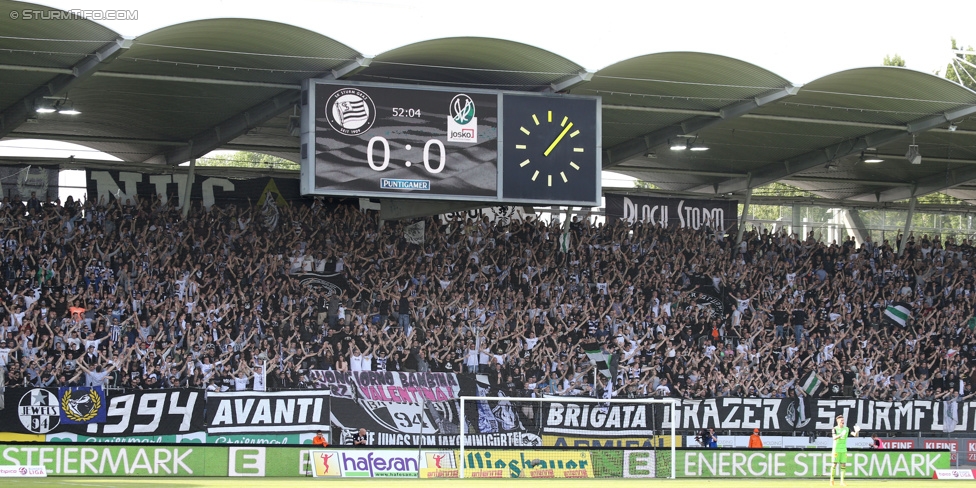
(133, 295)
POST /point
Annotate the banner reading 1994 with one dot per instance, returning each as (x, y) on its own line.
(90, 411)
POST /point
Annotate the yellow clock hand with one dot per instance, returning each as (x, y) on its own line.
(558, 138)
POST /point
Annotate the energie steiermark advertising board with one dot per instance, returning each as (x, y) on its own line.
(766, 463)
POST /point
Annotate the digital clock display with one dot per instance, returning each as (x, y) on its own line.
(391, 141)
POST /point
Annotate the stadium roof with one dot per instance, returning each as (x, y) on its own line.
(182, 91)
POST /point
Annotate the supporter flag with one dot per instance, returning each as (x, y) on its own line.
(330, 283)
(972, 323)
(811, 384)
(82, 405)
(899, 313)
(598, 358)
(270, 213)
(414, 233)
(564, 241)
(950, 415)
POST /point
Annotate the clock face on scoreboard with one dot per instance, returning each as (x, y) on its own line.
(377, 140)
(550, 149)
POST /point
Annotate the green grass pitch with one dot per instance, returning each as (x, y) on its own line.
(68, 482)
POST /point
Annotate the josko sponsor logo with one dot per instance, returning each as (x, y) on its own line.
(462, 125)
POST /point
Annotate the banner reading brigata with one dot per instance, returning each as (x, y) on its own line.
(241, 412)
(619, 419)
(675, 212)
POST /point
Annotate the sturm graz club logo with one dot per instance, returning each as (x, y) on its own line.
(350, 111)
(39, 412)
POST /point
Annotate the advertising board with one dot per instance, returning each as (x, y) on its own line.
(491, 463)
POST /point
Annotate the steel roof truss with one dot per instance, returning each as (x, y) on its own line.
(647, 142)
(784, 169)
(18, 112)
(237, 125)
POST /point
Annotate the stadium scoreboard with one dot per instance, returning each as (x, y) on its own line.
(438, 143)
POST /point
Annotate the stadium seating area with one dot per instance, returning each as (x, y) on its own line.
(133, 295)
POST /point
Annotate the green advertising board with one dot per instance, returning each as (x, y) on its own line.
(129, 460)
(150, 460)
(270, 461)
(768, 463)
(258, 439)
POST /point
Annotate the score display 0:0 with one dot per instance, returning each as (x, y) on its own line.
(386, 154)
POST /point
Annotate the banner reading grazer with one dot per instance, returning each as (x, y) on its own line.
(130, 412)
(245, 412)
(675, 212)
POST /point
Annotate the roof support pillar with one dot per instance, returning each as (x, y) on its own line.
(745, 215)
(908, 226)
(856, 224)
(189, 185)
(797, 222)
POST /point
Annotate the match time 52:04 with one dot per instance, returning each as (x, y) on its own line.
(406, 112)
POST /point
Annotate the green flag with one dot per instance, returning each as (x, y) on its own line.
(564, 242)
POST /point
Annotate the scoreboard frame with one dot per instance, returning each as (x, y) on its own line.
(384, 140)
